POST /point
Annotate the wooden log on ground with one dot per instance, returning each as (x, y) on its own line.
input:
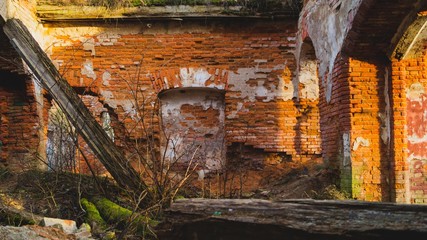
(17, 217)
(293, 219)
(70, 103)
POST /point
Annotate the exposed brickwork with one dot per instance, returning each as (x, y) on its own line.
(351, 128)
(372, 114)
(400, 141)
(335, 121)
(193, 124)
(19, 136)
(410, 129)
(370, 158)
(254, 65)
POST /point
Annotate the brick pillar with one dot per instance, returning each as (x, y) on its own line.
(400, 179)
(19, 123)
(356, 127)
(370, 129)
(335, 122)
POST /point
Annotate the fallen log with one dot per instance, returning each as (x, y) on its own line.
(292, 219)
(85, 124)
(17, 217)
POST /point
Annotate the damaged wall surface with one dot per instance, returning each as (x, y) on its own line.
(253, 64)
(370, 128)
(346, 83)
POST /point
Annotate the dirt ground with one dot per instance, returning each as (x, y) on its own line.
(58, 195)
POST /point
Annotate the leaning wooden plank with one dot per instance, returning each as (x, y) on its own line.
(302, 219)
(70, 103)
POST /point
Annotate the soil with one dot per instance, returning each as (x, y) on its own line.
(57, 195)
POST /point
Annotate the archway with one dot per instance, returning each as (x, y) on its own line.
(193, 127)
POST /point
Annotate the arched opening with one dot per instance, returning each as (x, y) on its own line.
(308, 72)
(193, 127)
(61, 141)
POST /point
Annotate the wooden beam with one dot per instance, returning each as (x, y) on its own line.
(73, 107)
(295, 219)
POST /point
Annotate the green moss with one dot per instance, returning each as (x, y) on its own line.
(116, 214)
(14, 219)
(92, 215)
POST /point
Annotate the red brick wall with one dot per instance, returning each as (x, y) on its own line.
(370, 157)
(19, 122)
(399, 181)
(411, 130)
(351, 127)
(335, 120)
(254, 63)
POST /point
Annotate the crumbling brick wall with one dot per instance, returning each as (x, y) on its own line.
(335, 122)
(370, 138)
(19, 122)
(410, 106)
(253, 63)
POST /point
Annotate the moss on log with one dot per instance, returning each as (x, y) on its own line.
(15, 217)
(93, 216)
(116, 214)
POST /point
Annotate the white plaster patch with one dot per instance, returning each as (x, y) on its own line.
(346, 150)
(415, 139)
(415, 92)
(191, 77)
(307, 75)
(89, 45)
(106, 77)
(126, 104)
(239, 108)
(415, 157)
(57, 63)
(87, 69)
(327, 28)
(360, 141)
(238, 82)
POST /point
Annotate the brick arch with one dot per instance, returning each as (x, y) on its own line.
(380, 108)
(192, 119)
(201, 77)
(377, 24)
(308, 71)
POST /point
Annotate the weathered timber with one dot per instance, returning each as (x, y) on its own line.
(17, 217)
(293, 219)
(70, 103)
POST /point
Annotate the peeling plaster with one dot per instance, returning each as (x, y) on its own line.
(89, 45)
(87, 69)
(239, 108)
(415, 92)
(360, 141)
(237, 82)
(414, 139)
(126, 104)
(182, 127)
(191, 77)
(106, 77)
(327, 27)
(307, 75)
(38, 95)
